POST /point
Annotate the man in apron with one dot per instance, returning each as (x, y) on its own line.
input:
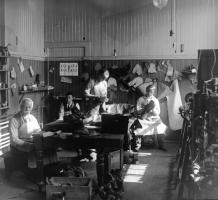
(148, 121)
(22, 127)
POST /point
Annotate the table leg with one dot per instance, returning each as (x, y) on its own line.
(100, 167)
(38, 142)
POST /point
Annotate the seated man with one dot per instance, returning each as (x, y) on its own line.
(22, 127)
(70, 111)
(148, 122)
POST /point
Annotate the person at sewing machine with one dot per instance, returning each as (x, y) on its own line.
(68, 107)
(22, 127)
(147, 120)
(96, 89)
(70, 111)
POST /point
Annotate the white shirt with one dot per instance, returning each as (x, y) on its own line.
(100, 89)
(143, 101)
(21, 128)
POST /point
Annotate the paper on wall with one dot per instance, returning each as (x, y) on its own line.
(21, 66)
(69, 69)
(65, 79)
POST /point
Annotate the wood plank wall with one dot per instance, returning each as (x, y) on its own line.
(72, 21)
(145, 31)
(2, 22)
(140, 33)
(23, 30)
(25, 78)
(24, 27)
(77, 86)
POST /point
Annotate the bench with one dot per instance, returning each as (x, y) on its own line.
(13, 163)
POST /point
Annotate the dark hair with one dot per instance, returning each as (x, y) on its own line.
(100, 75)
(150, 87)
(69, 93)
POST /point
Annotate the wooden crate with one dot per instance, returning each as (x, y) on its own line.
(73, 188)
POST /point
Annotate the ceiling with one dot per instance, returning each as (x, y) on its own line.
(118, 6)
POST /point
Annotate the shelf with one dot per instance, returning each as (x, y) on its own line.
(4, 88)
(4, 85)
(43, 89)
(3, 108)
(4, 56)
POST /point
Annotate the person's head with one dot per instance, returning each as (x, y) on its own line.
(26, 106)
(103, 74)
(150, 90)
(69, 97)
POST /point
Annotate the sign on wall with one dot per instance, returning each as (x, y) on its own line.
(69, 69)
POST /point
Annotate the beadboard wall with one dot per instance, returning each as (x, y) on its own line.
(24, 28)
(137, 33)
(24, 78)
(2, 23)
(78, 85)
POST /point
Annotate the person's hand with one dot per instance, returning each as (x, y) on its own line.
(67, 113)
(36, 131)
(104, 99)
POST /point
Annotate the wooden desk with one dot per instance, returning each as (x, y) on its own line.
(102, 143)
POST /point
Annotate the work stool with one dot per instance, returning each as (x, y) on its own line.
(13, 163)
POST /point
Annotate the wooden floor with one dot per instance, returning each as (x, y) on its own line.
(148, 179)
(151, 178)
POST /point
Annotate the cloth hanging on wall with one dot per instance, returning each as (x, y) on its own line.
(112, 89)
(152, 68)
(136, 82)
(174, 102)
(169, 73)
(137, 70)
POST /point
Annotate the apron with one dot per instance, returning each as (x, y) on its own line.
(156, 126)
(26, 129)
(25, 132)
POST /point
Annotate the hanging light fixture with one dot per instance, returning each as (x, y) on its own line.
(160, 3)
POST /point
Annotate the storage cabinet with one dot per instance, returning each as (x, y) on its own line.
(4, 81)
